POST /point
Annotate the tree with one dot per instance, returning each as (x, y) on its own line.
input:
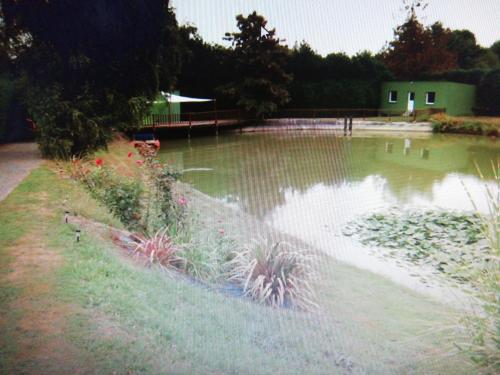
(471, 55)
(259, 61)
(88, 66)
(417, 50)
(204, 68)
(495, 48)
(463, 43)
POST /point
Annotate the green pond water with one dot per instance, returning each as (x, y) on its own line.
(310, 184)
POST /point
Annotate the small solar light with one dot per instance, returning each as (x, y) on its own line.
(78, 232)
(388, 147)
(66, 214)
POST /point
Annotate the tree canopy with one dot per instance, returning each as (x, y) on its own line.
(261, 86)
(88, 67)
(417, 50)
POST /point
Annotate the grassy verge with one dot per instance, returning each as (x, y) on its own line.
(489, 126)
(117, 316)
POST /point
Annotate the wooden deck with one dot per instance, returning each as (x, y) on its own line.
(191, 124)
(213, 119)
(227, 118)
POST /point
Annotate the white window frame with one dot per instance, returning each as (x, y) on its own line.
(390, 92)
(427, 98)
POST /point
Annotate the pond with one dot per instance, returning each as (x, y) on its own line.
(311, 184)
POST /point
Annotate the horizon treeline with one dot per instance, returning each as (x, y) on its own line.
(83, 69)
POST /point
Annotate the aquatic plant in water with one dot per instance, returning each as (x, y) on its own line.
(451, 242)
(274, 273)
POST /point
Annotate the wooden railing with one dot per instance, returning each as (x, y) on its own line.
(235, 117)
(192, 118)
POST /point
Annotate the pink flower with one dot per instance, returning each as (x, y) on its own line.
(182, 201)
(221, 231)
(130, 154)
(99, 162)
(139, 162)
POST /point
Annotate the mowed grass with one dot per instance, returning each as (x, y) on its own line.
(124, 318)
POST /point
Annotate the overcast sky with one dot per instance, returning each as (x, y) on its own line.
(346, 26)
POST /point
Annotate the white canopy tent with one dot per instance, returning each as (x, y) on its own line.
(172, 98)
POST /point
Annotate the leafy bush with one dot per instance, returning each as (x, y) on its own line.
(206, 254)
(274, 273)
(162, 207)
(121, 196)
(442, 123)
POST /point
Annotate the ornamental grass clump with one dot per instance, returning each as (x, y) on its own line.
(159, 249)
(275, 274)
(483, 343)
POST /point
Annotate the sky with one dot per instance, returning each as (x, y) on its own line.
(348, 26)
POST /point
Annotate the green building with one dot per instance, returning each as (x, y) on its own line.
(406, 96)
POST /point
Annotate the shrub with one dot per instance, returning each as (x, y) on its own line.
(160, 249)
(442, 123)
(206, 254)
(162, 207)
(275, 274)
(120, 195)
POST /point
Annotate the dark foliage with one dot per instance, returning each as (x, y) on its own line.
(489, 93)
(336, 81)
(417, 50)
(259, 59)
(88, 66)
(204, 68)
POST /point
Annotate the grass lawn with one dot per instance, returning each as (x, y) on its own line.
(68, 307)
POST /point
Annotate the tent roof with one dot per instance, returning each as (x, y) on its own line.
(172, 98)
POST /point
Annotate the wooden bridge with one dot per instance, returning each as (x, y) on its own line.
(194, 120)
(228, 118)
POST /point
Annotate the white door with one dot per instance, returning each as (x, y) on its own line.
(411, 101)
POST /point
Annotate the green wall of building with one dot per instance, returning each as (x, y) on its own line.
(161, 107)
(457, 98)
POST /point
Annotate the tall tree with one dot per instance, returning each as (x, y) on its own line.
(88, 66)
(259, 61)
(463, 43)
(417, 50)
(471, 55)
(495, 48)
(204, 68)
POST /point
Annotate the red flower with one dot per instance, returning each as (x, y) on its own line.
(221, 231)
(130, 154)
(182, 201)
(139, 162)
(99, 162)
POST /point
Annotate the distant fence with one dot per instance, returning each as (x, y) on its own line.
(352, 112)
(235, 117)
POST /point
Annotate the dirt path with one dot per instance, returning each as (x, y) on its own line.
(17, 160)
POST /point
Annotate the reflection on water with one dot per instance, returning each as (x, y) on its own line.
(310, 184)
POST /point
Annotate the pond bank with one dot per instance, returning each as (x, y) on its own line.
(243, 228)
